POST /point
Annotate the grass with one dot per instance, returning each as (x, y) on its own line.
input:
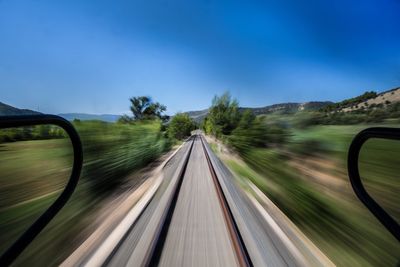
(380, 171)
(337, 223)
(379, 160)
(114, 150)
(33, 173)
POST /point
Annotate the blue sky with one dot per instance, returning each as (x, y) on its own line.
(91, 56)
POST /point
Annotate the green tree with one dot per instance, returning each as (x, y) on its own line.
(207, 126)
(224, 115)
(143, 108)
(180, 126)
(251, 132)
(376, 115)
(41, 132)
(255, 132)
(124, 119)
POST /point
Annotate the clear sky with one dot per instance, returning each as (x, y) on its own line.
(91, 56)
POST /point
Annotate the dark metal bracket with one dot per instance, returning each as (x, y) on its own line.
(29, 235)
(352, 164)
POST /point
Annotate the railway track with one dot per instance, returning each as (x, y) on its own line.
(194, 215)
(237, 240)
(155, 251)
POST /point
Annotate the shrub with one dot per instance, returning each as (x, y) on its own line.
(309, 147)
(306, 119)
(223, 116)
(255, 132)
(111, 150)
(180, 126)
(38, 132)
(376, 115)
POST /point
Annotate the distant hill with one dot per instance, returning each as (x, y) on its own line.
(85, 117)
(289, 107)
(375, 100)
(198, 116)
(7, 110)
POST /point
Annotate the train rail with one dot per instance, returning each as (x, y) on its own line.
(155, 251)
(237, 240)
(194, 215)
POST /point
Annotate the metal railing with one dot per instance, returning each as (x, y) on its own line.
(352, 164)
(29, 235)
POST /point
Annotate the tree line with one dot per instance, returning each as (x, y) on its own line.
(241, 128)
(39, 132)
(143, 109)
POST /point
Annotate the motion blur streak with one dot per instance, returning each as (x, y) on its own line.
(34, 171)
(197, 234)
(276, 89)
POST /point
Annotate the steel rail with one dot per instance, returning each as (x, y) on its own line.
(154, 252)
(236, 239)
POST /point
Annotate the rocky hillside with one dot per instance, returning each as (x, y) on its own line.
(383, 99)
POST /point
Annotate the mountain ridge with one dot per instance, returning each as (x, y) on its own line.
(288, 107)
(88, 116)
(7, 110)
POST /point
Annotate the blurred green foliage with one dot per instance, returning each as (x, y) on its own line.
(223, 117)
(39, 132)
(31, 177)
(180, 126)
(380, 170)
(332, 217)
(144, 108)
(112, 150)
(373, 114)
(255, 131)
(33, 173)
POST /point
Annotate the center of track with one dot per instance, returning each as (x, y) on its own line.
(198, 228)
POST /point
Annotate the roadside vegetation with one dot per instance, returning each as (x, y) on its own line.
(180, 126)
(40, 132)
(36, 162)
(301, 159)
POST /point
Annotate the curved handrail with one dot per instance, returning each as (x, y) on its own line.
(352, 165)
(27, 237)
